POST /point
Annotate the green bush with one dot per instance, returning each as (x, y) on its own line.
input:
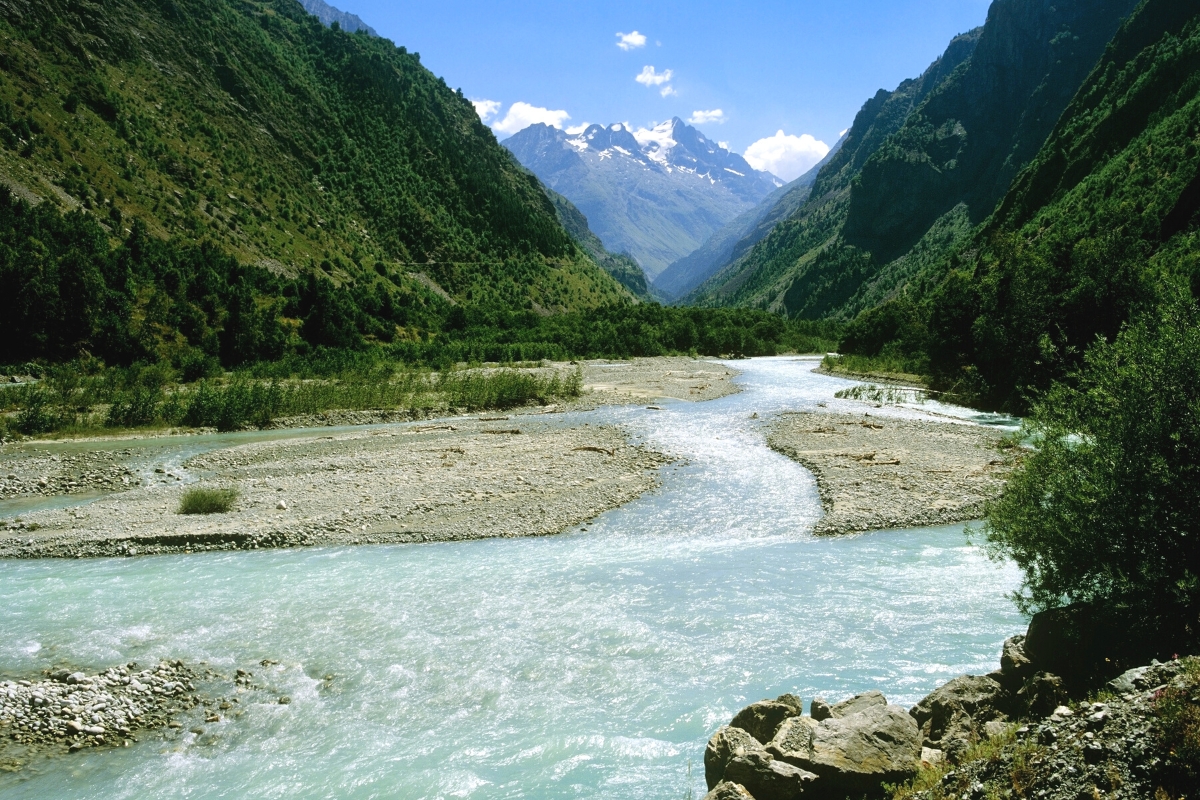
(207, 501)
(1105, 510)
(37, 416)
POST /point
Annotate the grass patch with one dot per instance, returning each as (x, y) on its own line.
(932, 782)
(1177, 729)
(208, 501)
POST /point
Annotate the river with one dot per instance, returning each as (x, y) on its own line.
(589, 665)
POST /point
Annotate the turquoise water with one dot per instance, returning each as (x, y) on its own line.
(593, 664)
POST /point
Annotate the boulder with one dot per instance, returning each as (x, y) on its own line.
(763, 718)
(765, 778)
(820, 709)
(1013, 660)
(858, 704)
(724, 745)
(1131, 680)
(728, 791)
(857, 754)
(953, 716)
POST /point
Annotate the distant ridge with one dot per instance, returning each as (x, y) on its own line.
(328, 15)
(656, 194)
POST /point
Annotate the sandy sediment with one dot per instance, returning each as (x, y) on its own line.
(649, 379)
(472, 478)
(876, 472)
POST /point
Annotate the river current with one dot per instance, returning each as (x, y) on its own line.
(589, 665)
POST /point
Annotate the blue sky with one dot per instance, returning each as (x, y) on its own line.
(795, 66)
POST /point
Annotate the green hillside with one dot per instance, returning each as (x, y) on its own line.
(1102, 225)
(296, 149)
(933, 159)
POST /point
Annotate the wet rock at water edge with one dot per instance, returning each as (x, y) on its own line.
(724, 745)
(765, 778)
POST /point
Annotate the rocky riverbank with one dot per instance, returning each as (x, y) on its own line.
(68, 711)
(876, 472)
(1019, 732)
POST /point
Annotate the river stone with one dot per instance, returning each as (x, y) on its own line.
(726, 743)
(763, 718)
(858, 704)
(951, 718)
(857, 754)
(729, 791)
(768, 779)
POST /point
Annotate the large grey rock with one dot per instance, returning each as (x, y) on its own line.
(763, 718)
(858, 704)
(767, 778)
(952, 717)
(857, 754)
(728, 791)
(723, 746)
(1131, 680)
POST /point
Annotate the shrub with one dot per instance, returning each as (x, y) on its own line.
(207, 501)
(1105, 511)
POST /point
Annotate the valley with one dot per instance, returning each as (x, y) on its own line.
(363, 436)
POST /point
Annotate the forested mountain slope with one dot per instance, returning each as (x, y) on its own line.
(895, 203)
(761, 275)
(1104, 223)
(300, 150)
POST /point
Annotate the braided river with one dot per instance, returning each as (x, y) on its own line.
(594, 664)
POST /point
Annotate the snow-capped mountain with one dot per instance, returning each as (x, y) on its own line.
(655, 193)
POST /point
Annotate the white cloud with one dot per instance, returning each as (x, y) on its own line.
(630, 41)
(652, 77)
(723, 145)
(521, 115)
(705, 117)
(668, 91)
(486, 109)
(789, 157)
(844, 132)
(575, 130)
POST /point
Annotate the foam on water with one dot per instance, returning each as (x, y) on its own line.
(592, 664)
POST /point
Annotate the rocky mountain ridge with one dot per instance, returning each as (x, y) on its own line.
(656, 194)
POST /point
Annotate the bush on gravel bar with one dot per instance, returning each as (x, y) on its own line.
(208, 501)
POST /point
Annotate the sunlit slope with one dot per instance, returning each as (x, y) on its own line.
(293, 146)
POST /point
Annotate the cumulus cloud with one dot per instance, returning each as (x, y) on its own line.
(486, 109)
(789, 157)
(668, 91)
(575, 130)
(652, 77)
(630, 41)
(705, 117)
(521, 115)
